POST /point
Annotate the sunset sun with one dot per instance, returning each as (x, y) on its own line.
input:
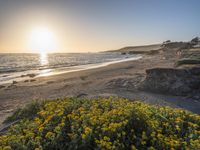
(42, 40)
(106, 75)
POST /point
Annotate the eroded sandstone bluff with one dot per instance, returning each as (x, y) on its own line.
(173, 81)
(181, 80)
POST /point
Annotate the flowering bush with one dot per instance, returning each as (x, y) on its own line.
(106, 123)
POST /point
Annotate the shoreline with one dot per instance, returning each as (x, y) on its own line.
(119, 79)
(29, 74)
(90, 66)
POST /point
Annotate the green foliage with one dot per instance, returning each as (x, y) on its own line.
(29, 112)
(106, 123)
(188, 61)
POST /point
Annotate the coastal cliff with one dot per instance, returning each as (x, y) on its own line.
(172, 81)
(183, 79)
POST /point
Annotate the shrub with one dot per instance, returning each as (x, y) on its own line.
(187, 61)
(105, 123)
(29, 112)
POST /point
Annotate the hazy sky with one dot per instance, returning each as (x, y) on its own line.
(95, 25)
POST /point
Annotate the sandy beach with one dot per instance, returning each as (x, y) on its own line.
(99, 75)
(119, 79)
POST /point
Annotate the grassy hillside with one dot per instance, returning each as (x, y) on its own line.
(143, 48)
(111, 123)
(189, 57)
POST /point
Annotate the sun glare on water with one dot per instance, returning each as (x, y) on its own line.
(42, 41)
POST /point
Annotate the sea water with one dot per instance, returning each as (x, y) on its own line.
(16, 67)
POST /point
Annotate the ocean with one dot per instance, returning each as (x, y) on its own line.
(17, 67)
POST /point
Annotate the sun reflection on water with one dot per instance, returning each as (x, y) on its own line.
(44, 62)
(44, 59)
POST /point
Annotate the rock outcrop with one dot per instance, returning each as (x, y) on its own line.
(195, 42)
(177, 45)
(183, 82)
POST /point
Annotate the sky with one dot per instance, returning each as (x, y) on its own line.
(95, 25)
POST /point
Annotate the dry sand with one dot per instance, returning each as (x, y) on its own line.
(119, 79)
